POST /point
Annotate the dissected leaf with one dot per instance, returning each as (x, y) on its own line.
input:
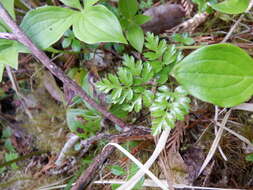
(168, 107)
(232, 6)
(98, 24)
(72, 3)
(46, 25)
(221, 74)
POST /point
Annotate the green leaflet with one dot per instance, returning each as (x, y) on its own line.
(72, 3)
(221, 74)
(156, 46)
(86, 120)
(46, 25)
(98, 24)
(232, 6)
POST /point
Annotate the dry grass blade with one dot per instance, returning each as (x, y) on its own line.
(242, 138)
(244, 107)
(216, 130)
(159, 147)
(140, 165)
(215, 143)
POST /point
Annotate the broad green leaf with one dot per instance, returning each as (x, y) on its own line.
(8, 55)
(232, 6)
(135, 36)
(128, 7)
(72, 3)
(89, 3)
(221, 74)
(141, 19)
(74, 120)
(46, 25)
(9, 6)
(1, 71)
(98, 24)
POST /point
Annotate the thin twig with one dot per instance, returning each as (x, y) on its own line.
(55, 70)
(68, 145)
(16, 89)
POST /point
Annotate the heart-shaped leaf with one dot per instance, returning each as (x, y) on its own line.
(98, 24)
(221, 74)
(232, 6)
(46, 25)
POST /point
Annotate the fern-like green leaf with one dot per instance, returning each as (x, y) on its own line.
(168, 107)
(157, 47)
